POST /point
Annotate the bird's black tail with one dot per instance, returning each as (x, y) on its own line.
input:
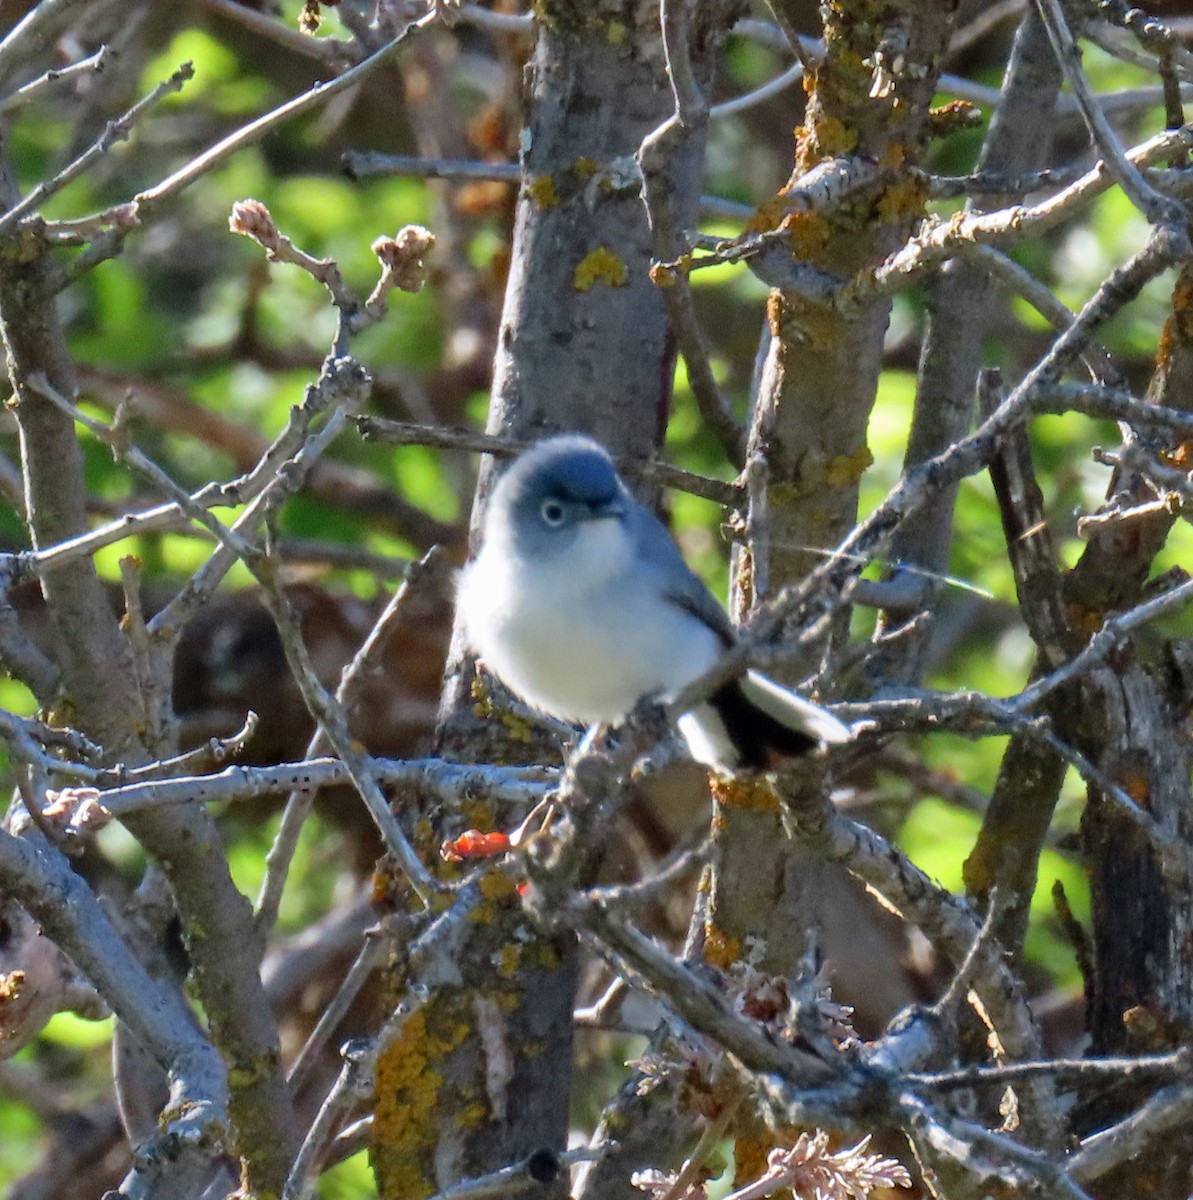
(763, 720)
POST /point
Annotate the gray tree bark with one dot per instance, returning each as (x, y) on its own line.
(583, 345)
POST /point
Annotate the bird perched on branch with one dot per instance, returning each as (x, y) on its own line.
(581, 603)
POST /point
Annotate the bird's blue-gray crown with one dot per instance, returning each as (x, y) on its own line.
(557, 485)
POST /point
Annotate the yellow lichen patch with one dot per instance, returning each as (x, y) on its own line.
(496, 887)
(893, 156)
(477, 814)
(241, 1077)
(482, 706)
(828, 137)
(471, 1115)
(599, 266)
(584, 167)
(542, 192)
(767, 215)
(811, 323)
(848, 468)
(745, 794)
(520, 728)
(952, 117)
(25, 246)
(507, 959)
(544, 956)
(720, 948)
(978, 873)
(407, 1088)
(616, 32)
(807, 233)
(903, 201)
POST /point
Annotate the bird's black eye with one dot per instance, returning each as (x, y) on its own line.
(552, 512)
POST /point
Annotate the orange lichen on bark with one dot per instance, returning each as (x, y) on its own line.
(1178, 329)
(749, 1159)
(1084, 621)
(767, 215)
(952, 117)
(1137, 786)
(745, 794)
(666, 275)
(774, 313)
(1181, 457)
(720, 948)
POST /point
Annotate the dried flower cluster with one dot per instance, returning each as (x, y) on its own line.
(401, 258)
(768, 999)
(814, 1172)
(689, 1064)
(660, 1184)
(808, 1168)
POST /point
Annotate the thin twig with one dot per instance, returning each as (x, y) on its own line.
(298, 805)
(654, 157)
(1157, 208)
(406, 433)
(365, 963)
(58, 79)
(115, 131)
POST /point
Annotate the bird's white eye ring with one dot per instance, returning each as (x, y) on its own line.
(552, 512)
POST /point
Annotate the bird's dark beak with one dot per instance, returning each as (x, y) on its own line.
(606, 510)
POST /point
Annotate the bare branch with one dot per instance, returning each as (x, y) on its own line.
(404, 433)
(1157, 208)
(57, 79)
(277, 862)
(116, 131)
(195, 1132)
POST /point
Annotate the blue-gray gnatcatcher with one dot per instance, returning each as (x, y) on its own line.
(580, 602)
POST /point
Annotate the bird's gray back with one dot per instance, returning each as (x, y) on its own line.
(677, 582)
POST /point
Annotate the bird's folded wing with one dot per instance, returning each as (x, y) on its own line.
(694, 598)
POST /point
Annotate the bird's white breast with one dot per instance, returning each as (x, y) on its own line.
(581, 634)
